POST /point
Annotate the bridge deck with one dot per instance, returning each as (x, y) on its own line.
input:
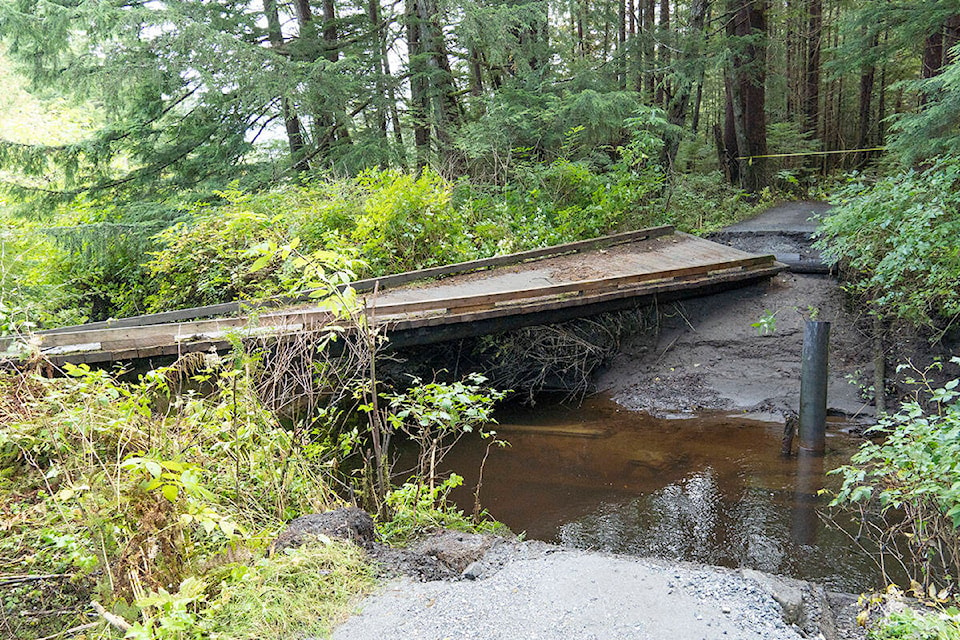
(482, 296)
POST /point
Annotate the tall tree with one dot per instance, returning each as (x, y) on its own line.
(745, 86)
(811, 93)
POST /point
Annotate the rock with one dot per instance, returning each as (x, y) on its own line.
(473, 572)
(443, 555)
(804, 604)
(454, 549)
(348, 523)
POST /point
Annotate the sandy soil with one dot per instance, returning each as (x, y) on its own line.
(708, 356)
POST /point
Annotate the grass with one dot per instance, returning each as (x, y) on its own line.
(300, 593)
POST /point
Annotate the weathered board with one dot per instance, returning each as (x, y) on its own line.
(469, 298)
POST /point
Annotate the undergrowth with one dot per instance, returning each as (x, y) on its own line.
(905, 482)
(897, 239)
(144, 507)
(396, 221)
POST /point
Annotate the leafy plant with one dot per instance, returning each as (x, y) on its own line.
(897, 239)
(908, 485)
(119, 472)
(437, 415)
(766, 324)
(415, 508)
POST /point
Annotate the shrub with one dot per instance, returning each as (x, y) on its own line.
(908, 486)
(128, 487)
(408, 222)
(209, 258)
(898, 239)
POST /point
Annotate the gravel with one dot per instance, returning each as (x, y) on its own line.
(537, 591)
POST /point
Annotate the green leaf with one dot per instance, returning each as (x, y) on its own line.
(170, 492)
(153, 467)
(260, 263)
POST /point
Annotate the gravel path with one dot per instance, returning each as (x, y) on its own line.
(538, 591)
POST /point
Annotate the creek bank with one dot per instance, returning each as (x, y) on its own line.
(740, 350)
(458, 585)
(708, 355)
(537, 590)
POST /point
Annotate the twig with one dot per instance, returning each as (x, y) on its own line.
(49, 612)
(18, 579)
(664, 352)
(113, 619)
(73, 631)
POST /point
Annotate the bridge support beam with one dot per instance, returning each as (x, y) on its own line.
(813, 386)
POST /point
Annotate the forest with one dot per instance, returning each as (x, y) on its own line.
(162, 155)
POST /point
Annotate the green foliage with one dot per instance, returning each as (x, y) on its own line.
(101, 474)
(231, 251)
(408, 222)
(767, 323)
(702, 203)
(910, 624)
(416, 509)
(301, 592)
(437, 415)
(911, 480)
(898, 238)
(34, 292)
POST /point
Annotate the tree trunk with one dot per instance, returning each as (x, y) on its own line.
(649, 10)
(747, 37)
(727, 140)
(419, 96)
(882, 108)
(790, 56)
(434, 101)
(936, 50)
(811, 94)
(932, 54)
(867, 75)
(386, 84)
(691, 57)
(291, 122)
(622, 46)
(663, 55)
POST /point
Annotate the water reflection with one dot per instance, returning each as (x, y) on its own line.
(808, 483)
(711, 489)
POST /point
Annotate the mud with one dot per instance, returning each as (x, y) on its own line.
(708, 356)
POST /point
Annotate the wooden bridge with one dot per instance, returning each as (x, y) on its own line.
(442, 303)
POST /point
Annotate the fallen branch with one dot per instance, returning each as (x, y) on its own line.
(112, 618)
(6, 581)
(73, 631)
(49, 612)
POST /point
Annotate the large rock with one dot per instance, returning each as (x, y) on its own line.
(348, 523)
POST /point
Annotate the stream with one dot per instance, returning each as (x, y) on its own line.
(710, 488)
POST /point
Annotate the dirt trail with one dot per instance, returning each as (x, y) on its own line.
(709, 356)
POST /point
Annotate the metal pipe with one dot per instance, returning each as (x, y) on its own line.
(804, 521)
(813, 386)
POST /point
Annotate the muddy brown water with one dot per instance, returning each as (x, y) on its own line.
(710, 488)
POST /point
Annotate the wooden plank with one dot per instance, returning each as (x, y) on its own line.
(207, 330)
(513, 258)
(642, 289)
(148, 340)
(465, 302)
(154, 334)
(369, 284)
(182, 332)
